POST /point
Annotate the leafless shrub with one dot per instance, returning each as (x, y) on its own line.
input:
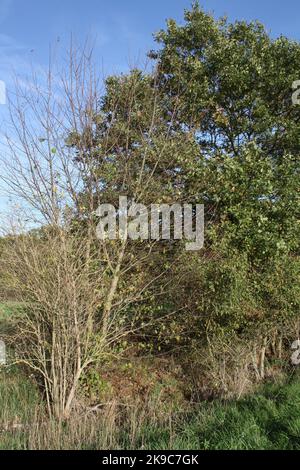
(74, 289)
(57, 333)
(222, 369)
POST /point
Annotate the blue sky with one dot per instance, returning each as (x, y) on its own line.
(122, 29)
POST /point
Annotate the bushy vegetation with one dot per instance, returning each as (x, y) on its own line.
(213, 123)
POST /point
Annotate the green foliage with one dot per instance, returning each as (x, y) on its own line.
(214, 124)
(232, 87)
(94, 386)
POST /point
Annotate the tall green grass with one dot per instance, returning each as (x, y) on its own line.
(269, 419)
(19, 400)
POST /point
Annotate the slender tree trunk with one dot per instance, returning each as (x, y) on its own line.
(113, 290)
(262, 358)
